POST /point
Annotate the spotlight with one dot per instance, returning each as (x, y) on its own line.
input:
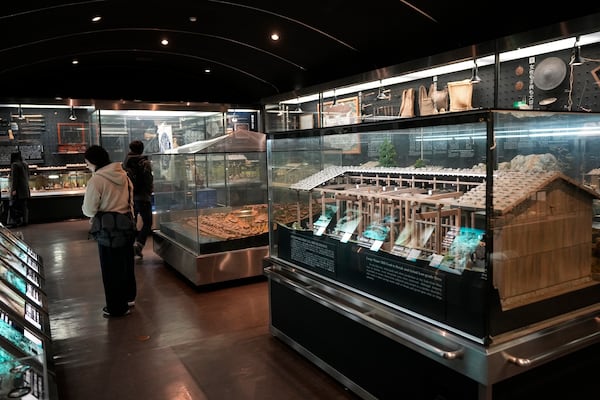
(381, 95)
(475, 74)
(576, 58)
(72, 115)
(20, 113)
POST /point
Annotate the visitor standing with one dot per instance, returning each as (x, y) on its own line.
(18, 213)
(110, 191)
(139, 170)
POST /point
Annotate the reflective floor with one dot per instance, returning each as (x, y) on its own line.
(180, 342)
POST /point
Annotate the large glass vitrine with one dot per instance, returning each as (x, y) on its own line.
(457, 233)
(211, 207)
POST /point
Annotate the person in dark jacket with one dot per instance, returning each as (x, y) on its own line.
(139, 169)
(19, 191)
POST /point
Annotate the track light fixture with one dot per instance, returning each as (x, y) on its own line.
(576, 58)
(299, 108)
(475, 74)
(72, 115)
(20, 113)
(381, 95)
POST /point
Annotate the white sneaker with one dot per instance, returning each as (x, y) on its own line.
(137, 250)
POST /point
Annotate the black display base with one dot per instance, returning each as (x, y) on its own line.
(44, 209)
(375, 366)
(466, 302)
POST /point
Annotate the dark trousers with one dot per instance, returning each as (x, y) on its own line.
(118, 277)
(144, 210)
(18, 213)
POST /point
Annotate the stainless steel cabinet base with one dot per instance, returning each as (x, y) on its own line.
(211, 268)
(381, 352)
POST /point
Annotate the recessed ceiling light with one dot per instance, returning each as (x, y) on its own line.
(274, 36)
(96, 18)
(193, 19)
(207, 70)
(164, 42)
(75, 62)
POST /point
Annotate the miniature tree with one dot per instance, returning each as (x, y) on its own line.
(387, 154)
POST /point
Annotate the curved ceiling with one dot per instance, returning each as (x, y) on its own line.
(120, 56)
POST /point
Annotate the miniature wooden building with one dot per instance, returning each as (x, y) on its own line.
(542, 222)
(542, 236)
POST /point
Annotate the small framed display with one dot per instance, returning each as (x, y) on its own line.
(340, 112)
(71, 137)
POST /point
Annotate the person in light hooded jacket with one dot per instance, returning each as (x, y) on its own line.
(109, 189)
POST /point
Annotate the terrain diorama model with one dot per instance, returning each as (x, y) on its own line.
(540, 230)
(231, 224)
(227, 223)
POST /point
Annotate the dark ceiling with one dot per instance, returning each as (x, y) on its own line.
(120, 57)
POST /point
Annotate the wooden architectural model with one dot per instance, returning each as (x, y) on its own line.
(541, 222)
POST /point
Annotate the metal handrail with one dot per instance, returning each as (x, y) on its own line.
(404, 337)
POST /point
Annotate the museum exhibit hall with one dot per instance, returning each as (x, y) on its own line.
(333, 221)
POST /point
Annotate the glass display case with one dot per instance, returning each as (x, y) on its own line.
(159, 130)
(22, 377)
(57, 180)
(210, 201)
(14, 259)
(459, 232)
(56, 191)
(70, 178)
(165, 127)
(25, 339)
(16, 240)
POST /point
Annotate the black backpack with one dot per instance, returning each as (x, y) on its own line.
(113, 229)
(135, 172)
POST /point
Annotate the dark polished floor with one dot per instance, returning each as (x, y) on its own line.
(179, 343)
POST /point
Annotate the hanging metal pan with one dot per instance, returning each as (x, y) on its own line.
(549, 73)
